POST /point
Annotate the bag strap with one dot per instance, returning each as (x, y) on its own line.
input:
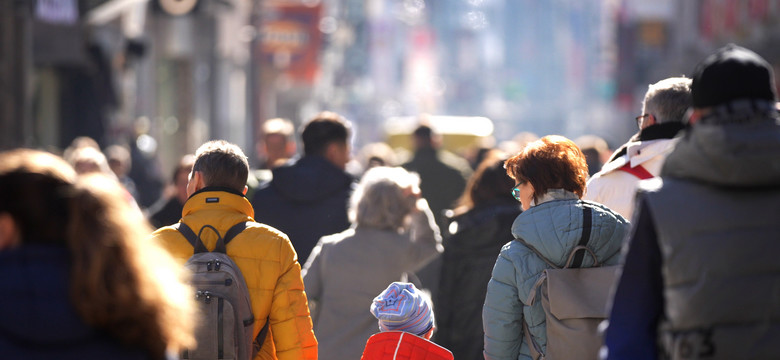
(638, 171)
(197, 243)
(193, 239)
(260, 339)
(536, 350)
(235, 230)
(587, 224)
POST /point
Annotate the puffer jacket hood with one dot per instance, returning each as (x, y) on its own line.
(309, 180)
(553, 228)
(728, 155)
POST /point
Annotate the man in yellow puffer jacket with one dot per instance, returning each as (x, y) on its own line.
(264, 255)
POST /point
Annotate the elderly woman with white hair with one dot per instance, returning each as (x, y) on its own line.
(392, 233)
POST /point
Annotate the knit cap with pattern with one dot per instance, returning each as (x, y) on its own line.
(401, 307)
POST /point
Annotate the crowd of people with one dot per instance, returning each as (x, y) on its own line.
(434, 256)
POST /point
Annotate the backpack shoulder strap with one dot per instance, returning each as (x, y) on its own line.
(235, 230)
(638, 171)
(587, 225)
(193, 239)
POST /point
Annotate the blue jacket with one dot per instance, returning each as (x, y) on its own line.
(37, 320)
(553, 228)
(306, 200)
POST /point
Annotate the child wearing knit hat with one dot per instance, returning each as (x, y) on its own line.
(406, 323)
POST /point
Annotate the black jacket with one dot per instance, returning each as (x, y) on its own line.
(306, 200)
(37, 320)
(469, 255)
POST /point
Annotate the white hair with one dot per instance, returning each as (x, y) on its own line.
(379, 201)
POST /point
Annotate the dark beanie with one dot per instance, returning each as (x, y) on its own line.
(732, 73)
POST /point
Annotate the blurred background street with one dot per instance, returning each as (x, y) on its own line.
(163, 76)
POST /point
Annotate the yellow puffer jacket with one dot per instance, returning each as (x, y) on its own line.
(269, 265)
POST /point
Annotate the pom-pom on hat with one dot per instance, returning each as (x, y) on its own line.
(732, 73)
(402, 307)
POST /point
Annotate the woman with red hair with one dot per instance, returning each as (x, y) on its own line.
(550, 176)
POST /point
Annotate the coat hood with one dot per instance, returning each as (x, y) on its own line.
(728, 155)
(310, 179)
(554, 227)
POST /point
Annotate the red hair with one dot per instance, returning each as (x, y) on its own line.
(552, 162)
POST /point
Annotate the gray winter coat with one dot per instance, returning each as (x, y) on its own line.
(347, 270)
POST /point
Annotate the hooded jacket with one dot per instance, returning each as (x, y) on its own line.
(702, 262)
(267, 261)
(553, 228)
(37, 319)
(306, 200)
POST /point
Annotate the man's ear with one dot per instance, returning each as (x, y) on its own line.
(195, 183)
(246, 188)
(9, 232)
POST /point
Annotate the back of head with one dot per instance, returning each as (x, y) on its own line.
(488, 183)
(402, 307)
(381, 200)
(222, 164)
(552, 162)
(90, 160)
(325, 128)
(731, 74)
(36, 188)
(119, 159)
(668, 99)
(111, 285)
(424, 136)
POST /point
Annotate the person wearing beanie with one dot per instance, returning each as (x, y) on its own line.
(700, 275)
(406, 323)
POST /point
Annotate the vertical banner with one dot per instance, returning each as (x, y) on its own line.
(291, 39)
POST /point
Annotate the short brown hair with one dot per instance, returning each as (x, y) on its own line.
(552, 162)
(222, 164)
(325, 128)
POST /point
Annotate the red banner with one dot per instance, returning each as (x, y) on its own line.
(291, 39)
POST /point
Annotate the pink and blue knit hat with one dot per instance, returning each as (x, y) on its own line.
(401, 307)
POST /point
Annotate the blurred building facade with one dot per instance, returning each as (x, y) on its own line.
(165, 75)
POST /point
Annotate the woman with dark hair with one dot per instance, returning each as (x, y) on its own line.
(549, 176)
(475, 232)
(81, 278)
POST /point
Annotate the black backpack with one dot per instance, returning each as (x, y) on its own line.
(225, 319)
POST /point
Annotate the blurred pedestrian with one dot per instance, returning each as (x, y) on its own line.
(595, 149)
(307, 198)
(393, 233)
(550, 177)
(700, 278)
(168, 210)
(277, 144)
(663, 110)
(476, 231)
(120, 164)
(406, 322)
(275, 147)
(443, 175)
(81, 279)
(264, 255)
